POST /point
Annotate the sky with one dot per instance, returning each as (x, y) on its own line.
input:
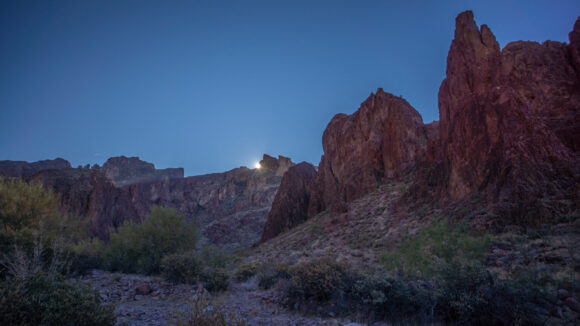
(212, 85)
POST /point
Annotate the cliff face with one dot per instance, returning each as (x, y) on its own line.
(21, 169)
(290, 206)
(127, 170)
(509, 131)
(88, 192)
(510, 122)
(230, 208)
(381, 140)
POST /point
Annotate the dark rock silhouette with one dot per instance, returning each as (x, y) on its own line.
(290, 206)
(21, 169)
(127, 170)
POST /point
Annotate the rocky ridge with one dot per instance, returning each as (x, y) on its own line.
(129, 170)
(230, 208)
(21, 169)
(509, 131)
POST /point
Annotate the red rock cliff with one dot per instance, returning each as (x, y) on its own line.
(509, 119)
(381, 140)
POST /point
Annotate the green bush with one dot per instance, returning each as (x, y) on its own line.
(316, 280)
(269, 275)
(40, 299)
(27, 206)
(181, 268)
(87, 255)
(208, 266)
(246, 270)
(203, 313)
(419, 255)
(139, 248)
(30, 221)
(470, 295)
(215, 279)
(381, 296)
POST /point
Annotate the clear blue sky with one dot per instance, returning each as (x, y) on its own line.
(211, 85)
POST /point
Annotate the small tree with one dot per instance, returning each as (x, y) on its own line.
(140, 247)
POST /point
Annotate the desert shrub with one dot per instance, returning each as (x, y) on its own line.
(269, 275)
(215, 279)
(208, 266)
(246, 270)
(30, 219)
(316, 280)
(181, 268)
(470, 295)
(40, 299)
(27, 206)
(86, 255)
(140, 247)
(381, 296)
(418, 255)
(202, 313)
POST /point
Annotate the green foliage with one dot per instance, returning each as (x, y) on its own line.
(40, 299)
(208, 266)
(31, 227)
(140, 247)
(246, 270)
(419, 254)
(316, 280)
(269, 275)
(470, 295)
(87, 255)
(202, 313)
(27, 206)
(381, 296)
(215, 279)
(181, 268)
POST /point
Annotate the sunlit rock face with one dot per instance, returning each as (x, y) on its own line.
(290, 206)
(276, 166)
(381, 140)
(20, 169)
(127, 170)
(510, 123)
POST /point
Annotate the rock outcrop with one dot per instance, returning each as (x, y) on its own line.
(127, 170)
(382, 139)
(89, 193)
(290, 206)
(276, 166)
(510, 124)
(21, 169)
(230, 208)
(509, 132)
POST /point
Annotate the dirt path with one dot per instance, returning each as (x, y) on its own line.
(144, 300)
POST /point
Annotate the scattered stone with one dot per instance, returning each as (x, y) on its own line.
(143, 289)
(572, 304)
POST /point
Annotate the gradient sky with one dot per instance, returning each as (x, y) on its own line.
(211, 85)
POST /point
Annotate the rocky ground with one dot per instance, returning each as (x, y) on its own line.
(144, 300)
